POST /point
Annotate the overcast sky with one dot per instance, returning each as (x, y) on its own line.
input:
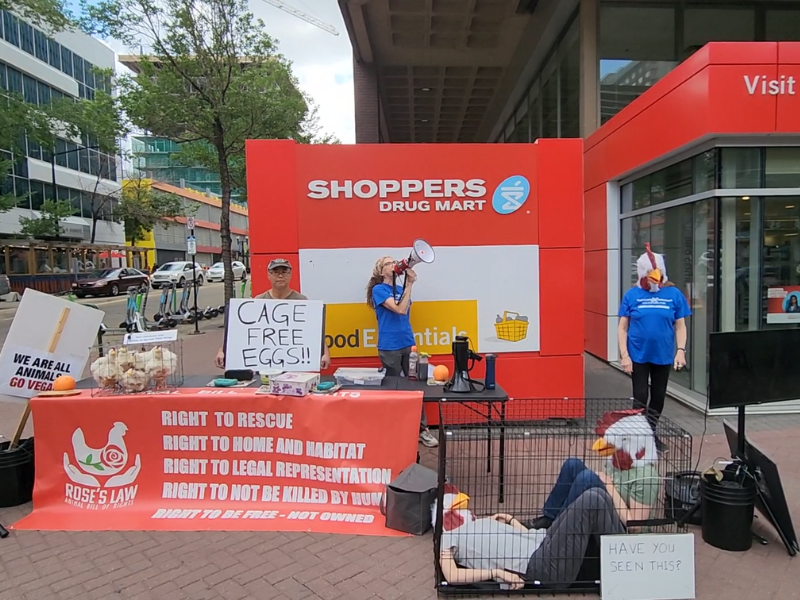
(321, 61)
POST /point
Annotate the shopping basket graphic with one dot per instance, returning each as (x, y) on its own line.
(512, 327)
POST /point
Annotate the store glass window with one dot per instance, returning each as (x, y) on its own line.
(740, 290)
(741, 168)
(705, 171)
(570, 82)
(780, 271)
(702, 291)
(550, 99)
(703, 25)
(672, 182)
(782, 25)
(782, 168)
(636, 48)
(635, 233)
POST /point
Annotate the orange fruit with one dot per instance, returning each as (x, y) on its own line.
(64, 383)
(441, 373)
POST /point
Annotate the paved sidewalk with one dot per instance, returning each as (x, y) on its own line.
(276, 566)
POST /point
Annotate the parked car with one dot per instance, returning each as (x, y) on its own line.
(5, 285)
(109, 282)
(217, 271)
(178, 272)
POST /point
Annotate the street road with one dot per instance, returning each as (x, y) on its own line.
(211, 294)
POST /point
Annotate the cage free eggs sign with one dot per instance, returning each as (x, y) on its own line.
(274, 334)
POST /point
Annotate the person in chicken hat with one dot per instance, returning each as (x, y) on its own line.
(652, 334)
(630, 475)
(501, 549)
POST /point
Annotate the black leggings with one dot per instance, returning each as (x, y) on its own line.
(651, 378)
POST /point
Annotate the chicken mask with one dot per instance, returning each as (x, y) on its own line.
(456, 511)
(626, 438)
(651, 270)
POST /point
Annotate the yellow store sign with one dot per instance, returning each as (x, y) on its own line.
(351, 330)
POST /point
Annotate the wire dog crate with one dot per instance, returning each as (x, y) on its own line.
(132, 369)
(564, 482)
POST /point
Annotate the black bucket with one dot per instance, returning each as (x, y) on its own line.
(16, 473)
(728, 508)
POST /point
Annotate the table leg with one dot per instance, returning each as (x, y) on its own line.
(489, 439)
(501, 490)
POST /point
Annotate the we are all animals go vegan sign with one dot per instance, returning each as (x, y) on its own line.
(274, 334)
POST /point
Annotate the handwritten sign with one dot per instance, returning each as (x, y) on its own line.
(32, 371)
(27, 365)
(647, 567)
(274, 334)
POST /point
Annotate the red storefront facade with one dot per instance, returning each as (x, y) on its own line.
(706, 167)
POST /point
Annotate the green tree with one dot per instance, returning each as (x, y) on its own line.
(18, 118)
(213, 77)
(48, 223)
(101, 122)
(141, 208)
(48, 14)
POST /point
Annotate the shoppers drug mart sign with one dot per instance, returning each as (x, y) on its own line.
(426, 195)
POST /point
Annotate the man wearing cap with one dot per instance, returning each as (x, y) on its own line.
(279, 271)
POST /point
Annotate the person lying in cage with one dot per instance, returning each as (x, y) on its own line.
(501, 549)
(630, 474)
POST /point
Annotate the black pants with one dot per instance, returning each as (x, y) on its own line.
(650, 380)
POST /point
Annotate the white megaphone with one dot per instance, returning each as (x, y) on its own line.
(421, 252)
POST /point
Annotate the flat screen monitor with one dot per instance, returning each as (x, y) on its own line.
(771, 502)
(753, 367)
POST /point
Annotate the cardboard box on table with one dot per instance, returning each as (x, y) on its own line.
(495, 258)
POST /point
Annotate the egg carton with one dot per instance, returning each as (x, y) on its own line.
(136, 368)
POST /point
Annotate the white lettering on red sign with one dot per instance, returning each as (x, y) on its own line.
(405, 188)
(761, 84)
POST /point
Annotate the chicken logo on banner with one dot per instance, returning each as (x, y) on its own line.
(100, 477)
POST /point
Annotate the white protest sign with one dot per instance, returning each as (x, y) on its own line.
(647, 566)
(274, 334)
(33, 371)
(48, 336)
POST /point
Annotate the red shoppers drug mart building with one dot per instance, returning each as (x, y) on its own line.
(705, 166)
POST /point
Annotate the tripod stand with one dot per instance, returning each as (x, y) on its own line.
(3, 532)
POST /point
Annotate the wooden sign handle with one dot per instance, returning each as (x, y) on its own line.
(51, 348)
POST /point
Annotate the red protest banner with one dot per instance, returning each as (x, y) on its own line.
(190, 460)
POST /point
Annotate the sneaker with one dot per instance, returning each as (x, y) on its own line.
(427, 439)
(540, 523)
(661, 446)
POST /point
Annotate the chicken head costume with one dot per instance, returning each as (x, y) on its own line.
(455, 511)
(651, 270)
(627, 439)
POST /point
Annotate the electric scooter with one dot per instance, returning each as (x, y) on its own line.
(135, 319)
(184, 314)
(164, 318)
(142, 324)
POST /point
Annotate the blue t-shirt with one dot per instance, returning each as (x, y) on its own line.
(651, 333)
(394, 331)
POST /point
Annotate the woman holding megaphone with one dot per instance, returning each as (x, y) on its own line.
(392, 305)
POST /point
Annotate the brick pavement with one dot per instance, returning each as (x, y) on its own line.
(276, 566)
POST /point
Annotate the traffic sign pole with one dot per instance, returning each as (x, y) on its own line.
(191, 249)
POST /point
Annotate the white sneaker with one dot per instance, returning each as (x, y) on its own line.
(427, 439)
